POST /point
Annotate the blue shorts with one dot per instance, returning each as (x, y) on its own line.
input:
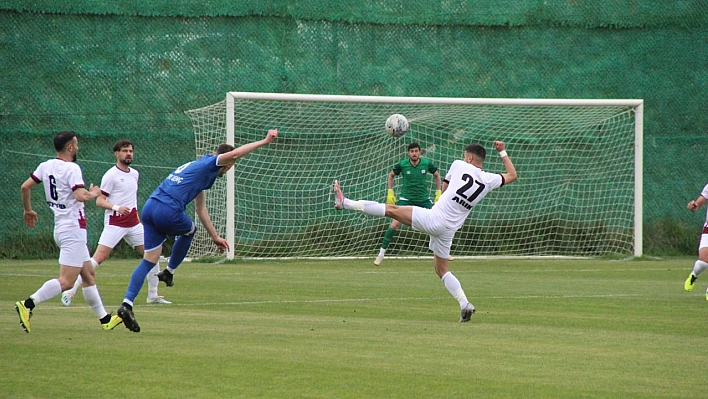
(161, 221)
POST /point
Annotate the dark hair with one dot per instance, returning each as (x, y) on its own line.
(62, 139)
(122, 143)
(477, 150)
(224, 148)
(413, 145)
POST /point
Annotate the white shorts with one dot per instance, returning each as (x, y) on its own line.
(111, 236)
(73, 248)
(440, 234)
(704, 241)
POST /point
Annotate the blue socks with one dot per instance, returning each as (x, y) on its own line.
(180, 249)
(138, 278)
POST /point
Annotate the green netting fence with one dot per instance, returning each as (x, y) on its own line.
(131, 69)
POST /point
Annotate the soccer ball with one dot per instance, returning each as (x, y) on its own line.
(396, 125)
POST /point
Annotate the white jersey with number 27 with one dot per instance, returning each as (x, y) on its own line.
(467, 185)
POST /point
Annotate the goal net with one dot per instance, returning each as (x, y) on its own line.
(579, 165)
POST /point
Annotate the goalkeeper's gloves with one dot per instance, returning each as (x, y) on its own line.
(390, 198)
(438, 193)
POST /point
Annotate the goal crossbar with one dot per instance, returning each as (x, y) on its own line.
(431, 100)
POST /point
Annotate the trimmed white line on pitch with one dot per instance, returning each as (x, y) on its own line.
(211, 273)
(144, 307)
(404, 299)
(566, 296)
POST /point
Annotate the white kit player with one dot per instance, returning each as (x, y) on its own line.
(65, 194)
(463, 187)
(702, 263)
(119, 197)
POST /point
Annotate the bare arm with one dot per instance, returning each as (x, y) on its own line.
(438, 186)
(510, 175)
(203, 215)
(390, 196)
(232, 156)
(102, 202)
(697, 203)
(30, 215)
(438, 180)
(83, 195)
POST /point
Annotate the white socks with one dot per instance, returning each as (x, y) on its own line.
(699, 267)
(52, 288)
(455, 288)
(153, 281)
(94, 300)
(47, 291)
(372, 208)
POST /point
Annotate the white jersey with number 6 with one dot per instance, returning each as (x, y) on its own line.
(467, 185)
(60, 179)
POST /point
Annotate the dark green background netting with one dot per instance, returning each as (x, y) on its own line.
(131, 69)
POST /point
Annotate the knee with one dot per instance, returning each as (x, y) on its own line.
(390, 209)
(191, 233)
(65, 283)
(87, 282)
(440, 271)
(153, 256)
(703, 254)
(440, 265)
(88, 277)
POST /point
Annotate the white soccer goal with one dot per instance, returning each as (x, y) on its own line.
(579, 163)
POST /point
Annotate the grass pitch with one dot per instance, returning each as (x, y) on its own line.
(348, 329)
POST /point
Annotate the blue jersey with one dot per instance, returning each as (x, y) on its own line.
(186, 182)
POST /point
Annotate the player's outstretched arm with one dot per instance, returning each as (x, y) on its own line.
(697, 203)
(510, 175)
(231, 156)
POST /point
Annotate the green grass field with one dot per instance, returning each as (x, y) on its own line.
(348, 329)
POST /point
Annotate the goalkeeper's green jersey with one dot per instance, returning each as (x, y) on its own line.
(416, 179)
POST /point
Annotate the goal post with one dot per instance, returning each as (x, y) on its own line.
(579, 162)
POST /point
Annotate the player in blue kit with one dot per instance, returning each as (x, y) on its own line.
(164, 215)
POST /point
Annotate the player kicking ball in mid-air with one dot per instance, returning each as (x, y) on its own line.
(164, 215)
(465, 184)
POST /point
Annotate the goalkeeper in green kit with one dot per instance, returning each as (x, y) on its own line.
(415, 172)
